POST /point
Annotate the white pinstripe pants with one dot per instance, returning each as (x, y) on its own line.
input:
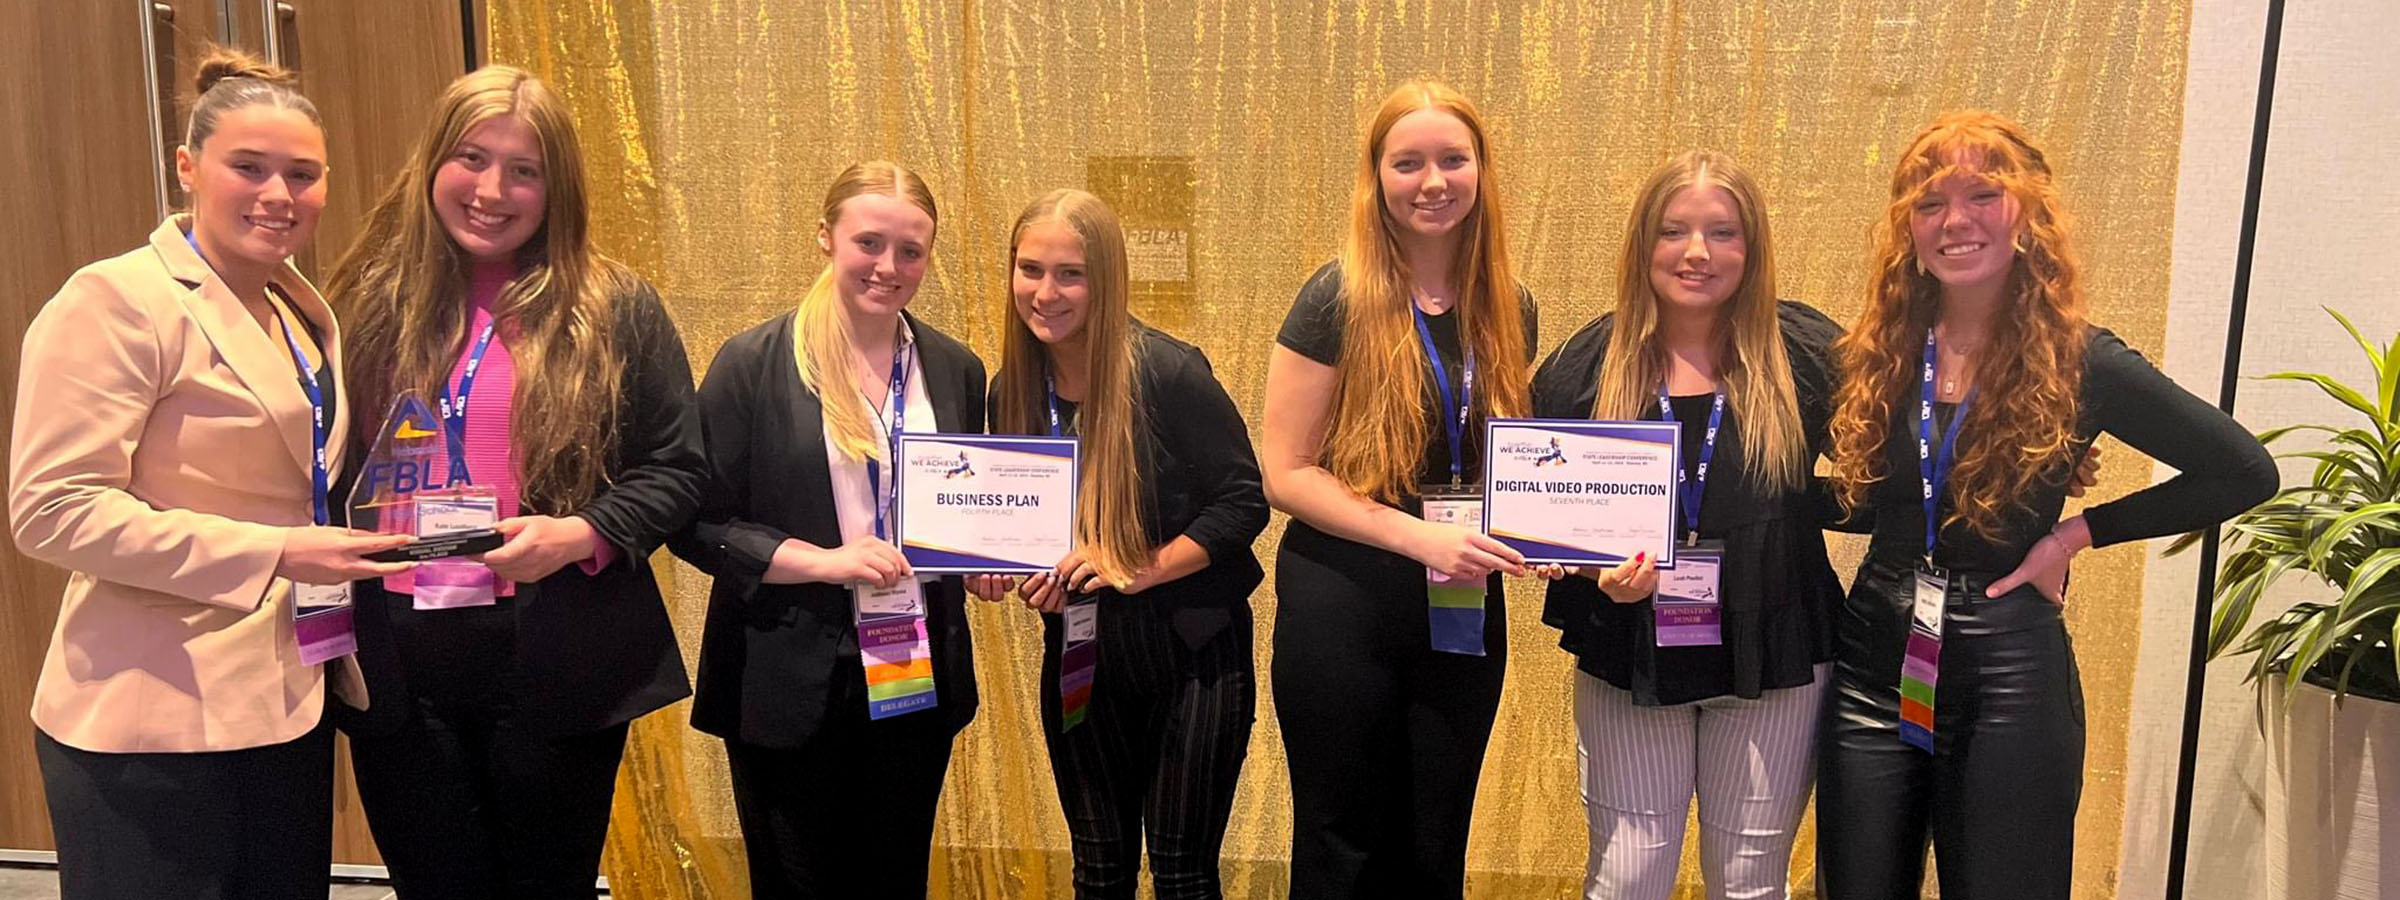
(1750, 761)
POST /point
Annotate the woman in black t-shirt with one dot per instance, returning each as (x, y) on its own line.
(1390, 642)
(1663, 713)
(1972, 380)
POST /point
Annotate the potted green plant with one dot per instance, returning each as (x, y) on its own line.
(2327, 671)
(2343, 527)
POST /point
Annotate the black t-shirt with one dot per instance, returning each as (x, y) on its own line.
(1314, 329)
(321, 380)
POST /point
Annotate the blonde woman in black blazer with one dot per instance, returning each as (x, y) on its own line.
(832, 803)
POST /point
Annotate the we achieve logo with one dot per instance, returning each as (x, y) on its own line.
(1540, 455)
(932, 462)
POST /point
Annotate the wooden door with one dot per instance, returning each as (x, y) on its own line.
(83, 183)
(92, 127)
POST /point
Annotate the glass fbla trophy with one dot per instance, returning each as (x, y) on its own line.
(410, 486)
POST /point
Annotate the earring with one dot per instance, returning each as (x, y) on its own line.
(2018, 244)
(1921, 270)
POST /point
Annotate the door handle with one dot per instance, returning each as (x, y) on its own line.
(283, 33)
(158, 77)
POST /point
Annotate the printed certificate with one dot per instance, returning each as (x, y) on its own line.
(1582, 493)
(974, 504)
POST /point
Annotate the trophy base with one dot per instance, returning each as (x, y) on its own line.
(440, 546)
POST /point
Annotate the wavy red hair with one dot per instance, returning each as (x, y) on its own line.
(2021, 428)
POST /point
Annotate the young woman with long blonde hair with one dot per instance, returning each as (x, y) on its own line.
(835, 779)
(1699, 338)
(1390, 637)
(503, 686)
(1970, 385)
(1162, 571)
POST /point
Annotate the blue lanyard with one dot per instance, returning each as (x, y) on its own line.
(1933, 463)
(1690, 491)
(898, 398)
(193, 238)
(454, 412)
(318, 429)
(1454, 428)
(1050, 396)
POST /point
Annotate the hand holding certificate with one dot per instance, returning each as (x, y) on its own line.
(986, 504)
(1581, 493)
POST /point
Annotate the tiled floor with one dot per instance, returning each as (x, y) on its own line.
(26, 883)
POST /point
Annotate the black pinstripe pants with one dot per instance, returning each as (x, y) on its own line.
(1158, 752)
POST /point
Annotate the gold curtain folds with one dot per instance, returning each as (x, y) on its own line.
(1226, 134)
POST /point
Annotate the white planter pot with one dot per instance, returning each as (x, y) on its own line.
(2331, 773)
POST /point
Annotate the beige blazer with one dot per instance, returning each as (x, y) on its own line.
(161, 448)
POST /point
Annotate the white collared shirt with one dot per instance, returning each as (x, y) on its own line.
(853, 501)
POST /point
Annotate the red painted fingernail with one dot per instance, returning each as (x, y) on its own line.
(1638, 557)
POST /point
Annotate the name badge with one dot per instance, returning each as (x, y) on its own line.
(1454, 606)
(450, 514)
(317, 596)
(1926, 612)
(904, 599)
(1688, 611)
(1079, 662)
(322, 622)
(894, 647)
(1083, 621)
(1460, 506)
(1921, 666)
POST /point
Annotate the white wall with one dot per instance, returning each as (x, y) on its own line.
(2328, 234)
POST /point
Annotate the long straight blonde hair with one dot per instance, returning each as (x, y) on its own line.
(402, 287)
(821, 344)
(1376, 439)
(1754, 369)
(1108, 513)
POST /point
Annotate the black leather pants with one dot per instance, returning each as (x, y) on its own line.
(1997, 797)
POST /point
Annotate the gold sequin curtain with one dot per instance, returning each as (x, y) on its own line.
(1225, 133)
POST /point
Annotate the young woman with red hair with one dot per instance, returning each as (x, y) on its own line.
(1970, 388)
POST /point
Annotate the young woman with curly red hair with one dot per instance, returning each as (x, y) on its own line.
(1970, 387)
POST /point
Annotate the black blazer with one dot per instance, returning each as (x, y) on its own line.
(1199, 480)
(592, 650)
(779, 662)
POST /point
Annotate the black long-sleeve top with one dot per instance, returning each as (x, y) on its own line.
(1778, 589)
(1199, 479)
(2222, 469)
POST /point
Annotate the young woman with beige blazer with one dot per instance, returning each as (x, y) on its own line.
(176, 416)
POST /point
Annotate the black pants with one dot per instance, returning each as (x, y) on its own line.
(848, 815)
(253, 824)
(1158, 753)
(1997, 798)
(1384, 735)
(464, 803)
